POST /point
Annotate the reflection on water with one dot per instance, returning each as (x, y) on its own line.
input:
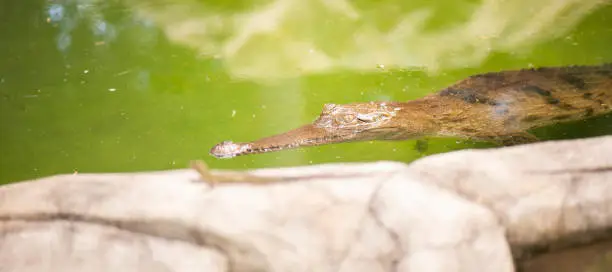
(66, 16)
(296, 37)
(99, 86)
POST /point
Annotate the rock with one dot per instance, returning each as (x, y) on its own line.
(548, 195)
(471, 210)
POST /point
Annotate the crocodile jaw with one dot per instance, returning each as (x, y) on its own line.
(308, 135)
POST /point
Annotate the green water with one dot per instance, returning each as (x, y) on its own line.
(117, 86)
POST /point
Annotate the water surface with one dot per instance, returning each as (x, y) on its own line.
(111, 86)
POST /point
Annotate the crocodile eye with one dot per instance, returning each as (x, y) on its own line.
(372, 117)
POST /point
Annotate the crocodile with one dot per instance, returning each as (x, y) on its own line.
(498, 107)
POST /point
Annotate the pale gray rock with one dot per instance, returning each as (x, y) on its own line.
(461, 211)
(548, 195)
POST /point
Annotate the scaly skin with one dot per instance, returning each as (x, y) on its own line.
(495, 107)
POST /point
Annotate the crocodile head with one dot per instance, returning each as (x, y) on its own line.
(336, 124)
